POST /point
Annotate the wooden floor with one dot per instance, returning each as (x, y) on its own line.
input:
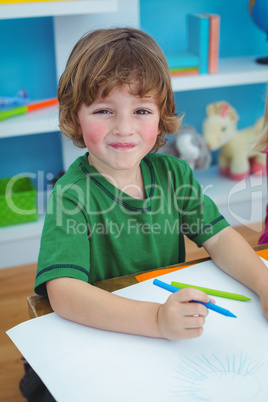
(15, 285)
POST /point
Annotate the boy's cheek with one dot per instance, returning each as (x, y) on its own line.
(95, 134)
(152, 132)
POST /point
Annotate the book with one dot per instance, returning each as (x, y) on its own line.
(183, 73)
(198, 39)
(183, 59)
(214, 43)
(176, 72)
(183, 69)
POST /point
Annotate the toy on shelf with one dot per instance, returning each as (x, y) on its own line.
(237, 158)
(5, 114)
(190, 146)
(21, 98)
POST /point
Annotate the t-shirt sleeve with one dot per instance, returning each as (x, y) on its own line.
(65, 247)
(201, 218)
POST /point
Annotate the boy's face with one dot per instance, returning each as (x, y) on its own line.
(119, 130)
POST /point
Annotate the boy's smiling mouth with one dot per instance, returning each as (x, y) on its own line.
(124, 146)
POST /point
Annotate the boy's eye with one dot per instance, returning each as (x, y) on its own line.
(102, 111)
(142, 111)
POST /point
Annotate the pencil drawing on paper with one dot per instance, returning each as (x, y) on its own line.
(213, 378)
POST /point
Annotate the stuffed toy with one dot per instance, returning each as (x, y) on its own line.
(236, 158)
(190, 146)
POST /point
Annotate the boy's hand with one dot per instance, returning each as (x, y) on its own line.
(180, 319)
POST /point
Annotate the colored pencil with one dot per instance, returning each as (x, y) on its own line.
(212, 292)
(209, 305)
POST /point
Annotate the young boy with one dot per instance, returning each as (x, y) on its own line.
(121, 208)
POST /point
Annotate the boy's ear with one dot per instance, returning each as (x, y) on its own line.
(74, 122)
(79, 129)
(78, 126)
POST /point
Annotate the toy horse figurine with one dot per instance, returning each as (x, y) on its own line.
(237, 158)
(190, 146)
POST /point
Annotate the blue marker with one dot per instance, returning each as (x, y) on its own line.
(209, 305)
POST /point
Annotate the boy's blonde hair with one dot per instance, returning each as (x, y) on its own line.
(108, 58)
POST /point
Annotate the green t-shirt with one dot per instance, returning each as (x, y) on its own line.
(94, 231)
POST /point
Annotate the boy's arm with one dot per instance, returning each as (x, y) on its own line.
(231, 252)
(86, 304)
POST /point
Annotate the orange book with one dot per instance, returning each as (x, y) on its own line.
(214, 43)
(184, 73)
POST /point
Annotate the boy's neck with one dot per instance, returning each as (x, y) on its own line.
(130, 182)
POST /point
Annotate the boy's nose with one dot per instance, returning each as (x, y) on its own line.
(123, 126)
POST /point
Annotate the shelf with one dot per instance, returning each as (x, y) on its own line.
(241, 202)
(21, 231)
(30, 229)
(19, 244)
(232, 72)
(54, 8)
(40, 121)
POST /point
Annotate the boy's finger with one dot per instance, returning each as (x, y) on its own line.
(189, 294)
(195, 309)
(195, 322)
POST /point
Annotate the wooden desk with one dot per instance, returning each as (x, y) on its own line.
(39, 305)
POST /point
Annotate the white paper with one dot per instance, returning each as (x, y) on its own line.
(229, 362)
